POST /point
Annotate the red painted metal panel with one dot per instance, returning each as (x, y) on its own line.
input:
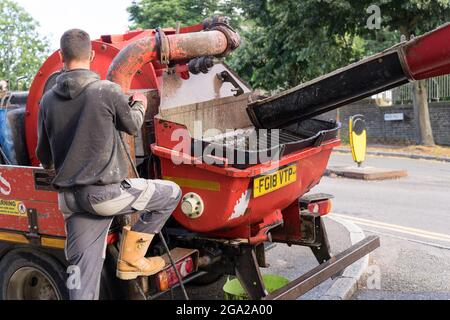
(232, 211)
(221, 206)
(17, 185)
(429, 55)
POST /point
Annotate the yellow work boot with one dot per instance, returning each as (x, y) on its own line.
(132, 262)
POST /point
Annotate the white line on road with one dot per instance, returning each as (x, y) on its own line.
(397, 228)
(431, 244)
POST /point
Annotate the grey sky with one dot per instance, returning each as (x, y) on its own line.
(97, 17)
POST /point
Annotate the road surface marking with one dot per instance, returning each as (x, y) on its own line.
(397, 228)
(431, 244)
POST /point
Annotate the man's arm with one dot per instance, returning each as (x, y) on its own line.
(43, 151)
(130, 112)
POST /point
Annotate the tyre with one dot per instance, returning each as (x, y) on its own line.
(111, 288)
(32, 275)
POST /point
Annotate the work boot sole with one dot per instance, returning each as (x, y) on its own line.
(131, 275)
(134, 275)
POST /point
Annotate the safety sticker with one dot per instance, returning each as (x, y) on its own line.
(12, 208)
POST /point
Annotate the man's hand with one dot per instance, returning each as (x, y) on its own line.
(138, 98)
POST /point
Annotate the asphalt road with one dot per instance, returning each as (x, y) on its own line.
(412, 217)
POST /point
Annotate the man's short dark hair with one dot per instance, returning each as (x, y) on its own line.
(76, 45)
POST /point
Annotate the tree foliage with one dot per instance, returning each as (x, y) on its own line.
(407, 18)
(150, 14)
(294, 41)
(22, 49)
(287, 42)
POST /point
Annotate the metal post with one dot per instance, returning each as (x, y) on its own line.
(248, 273)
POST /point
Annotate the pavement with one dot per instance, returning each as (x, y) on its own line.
(412, 217)
(365, 173)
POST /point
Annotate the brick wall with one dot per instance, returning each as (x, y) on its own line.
(396, 132)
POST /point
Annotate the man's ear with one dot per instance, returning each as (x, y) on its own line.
(92, 55)
(61, 56)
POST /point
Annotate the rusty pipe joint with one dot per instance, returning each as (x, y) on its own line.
(215, 23)
(162, 47)
(233, 38)
(222, 24)
(209, 23)
(217, 42)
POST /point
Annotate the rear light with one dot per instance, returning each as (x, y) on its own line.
(162, 280)
(168, 278)
(322, 207)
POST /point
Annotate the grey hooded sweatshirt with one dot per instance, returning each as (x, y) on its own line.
(79, 123)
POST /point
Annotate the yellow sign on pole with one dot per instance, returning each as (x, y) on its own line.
(358, 138)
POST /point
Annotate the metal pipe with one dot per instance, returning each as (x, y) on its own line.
(176, 47)
(193, 45)
(130, 60)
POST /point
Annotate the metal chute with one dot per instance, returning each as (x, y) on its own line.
(421, 58)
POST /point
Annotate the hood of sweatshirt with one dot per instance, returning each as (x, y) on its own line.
(71, 84)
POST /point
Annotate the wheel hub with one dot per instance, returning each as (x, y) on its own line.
(29, 283)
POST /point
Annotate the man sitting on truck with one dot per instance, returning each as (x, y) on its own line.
(80, 121)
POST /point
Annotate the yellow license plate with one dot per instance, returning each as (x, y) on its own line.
(272, 182)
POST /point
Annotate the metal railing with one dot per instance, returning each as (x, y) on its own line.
(438, 90)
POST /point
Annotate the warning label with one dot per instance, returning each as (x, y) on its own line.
(12, 208)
